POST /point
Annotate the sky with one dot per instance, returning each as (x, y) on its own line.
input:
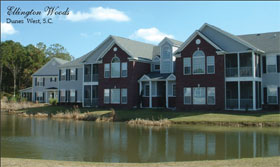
(89, 23)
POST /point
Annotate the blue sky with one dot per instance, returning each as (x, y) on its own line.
(89, 23)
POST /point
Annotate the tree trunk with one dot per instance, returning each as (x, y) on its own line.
(15, 81)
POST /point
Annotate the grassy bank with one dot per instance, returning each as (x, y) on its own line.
(241, 118)
(246, 162)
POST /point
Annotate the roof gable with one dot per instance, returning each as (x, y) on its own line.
(50, 68)
(172, 42)
(197, 33)
(226, 41)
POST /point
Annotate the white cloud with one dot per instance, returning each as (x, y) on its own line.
(150, 34)
(99, 14)
(86, 35)
(7, 29)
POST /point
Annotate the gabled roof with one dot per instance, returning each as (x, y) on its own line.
(268, 42)
(75, 63)
(173, 42)
(134, 48)
(29, 89)
(50, 68)
(226, 41)
(192, 37)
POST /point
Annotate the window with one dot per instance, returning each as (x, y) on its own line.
(272, 95)
(72, 93)
(166, 52)
(115, 67)
(211, 95)
(62, 95)
(124, 69)
(198, 95)
(187, 66)
(187, 95)
(174, 89)
(106, 96)
(198, 62)
(115, 96)
(154, 88)
(124, 96)
(156, 67)
(146, 90)
(40, 96)
(72, 74)
(52, 79)
(271, 64)
(63, 74)
(40, 81)
(107, 71)
(210, 64)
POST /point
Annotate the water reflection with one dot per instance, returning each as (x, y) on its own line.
(117, 142)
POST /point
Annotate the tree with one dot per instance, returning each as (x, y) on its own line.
(57, 50)
(13, 53)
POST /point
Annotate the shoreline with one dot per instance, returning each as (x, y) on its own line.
(248, 162)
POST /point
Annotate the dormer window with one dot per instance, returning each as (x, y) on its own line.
(198, 62)
(115, 67)
(157, 67)
(166, 52)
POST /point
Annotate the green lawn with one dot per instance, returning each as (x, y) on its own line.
(174, 116)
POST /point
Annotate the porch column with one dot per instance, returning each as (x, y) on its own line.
(166, 93)
(150, 95)
(254, 64)
(238, 65)
(238, 93)
(140, 89)
(254, 95)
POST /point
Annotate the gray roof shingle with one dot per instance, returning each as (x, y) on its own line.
(50, 69)
(175, 42)
(268, 42)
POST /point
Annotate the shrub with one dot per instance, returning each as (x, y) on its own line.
(53, 101)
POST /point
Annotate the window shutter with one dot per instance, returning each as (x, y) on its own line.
(43, 81)
(59, 96)
(76, 74)
(265, 95)
(55, 79)
(51, 79)
(264, 64)
(43, 96)
(35, 81)
(35, 96)
(76, 95)
(59, 76)
(278, 64)
(66, 74)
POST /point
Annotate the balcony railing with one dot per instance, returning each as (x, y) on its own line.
(88, 102)
(246, 71)
(246, 103)
(232, 72)
(232, 103)
(91, 77)
(94, 77)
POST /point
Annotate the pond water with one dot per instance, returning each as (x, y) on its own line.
(118, 142)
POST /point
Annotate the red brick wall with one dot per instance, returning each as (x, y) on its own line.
(135, 71)
(205, 80)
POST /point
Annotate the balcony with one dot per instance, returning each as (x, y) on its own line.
(87, 78)
(91, 73)
(232, 72)
(246, 71)
(94, 77)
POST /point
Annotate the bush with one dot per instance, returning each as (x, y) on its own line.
(53, 101)
(12, 99)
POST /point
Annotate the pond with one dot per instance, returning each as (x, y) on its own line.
(118, 142)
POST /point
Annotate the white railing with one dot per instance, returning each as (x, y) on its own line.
(232, 72)
(246, 71)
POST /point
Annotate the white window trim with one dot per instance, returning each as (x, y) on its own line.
(211, 65)
(123, 76)
(193, 60)
(119, 102)
(214, 96)
(268, 95)
(119, 76)
(144, 94)
(187, 96)
(205, 93)
(106, 96)
(107, 70)
(185, 65)
(123, 96)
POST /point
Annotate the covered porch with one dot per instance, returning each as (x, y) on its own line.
(243, 95)
(90, 96)
(51, 93)
(26, 93)
(157, 90)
